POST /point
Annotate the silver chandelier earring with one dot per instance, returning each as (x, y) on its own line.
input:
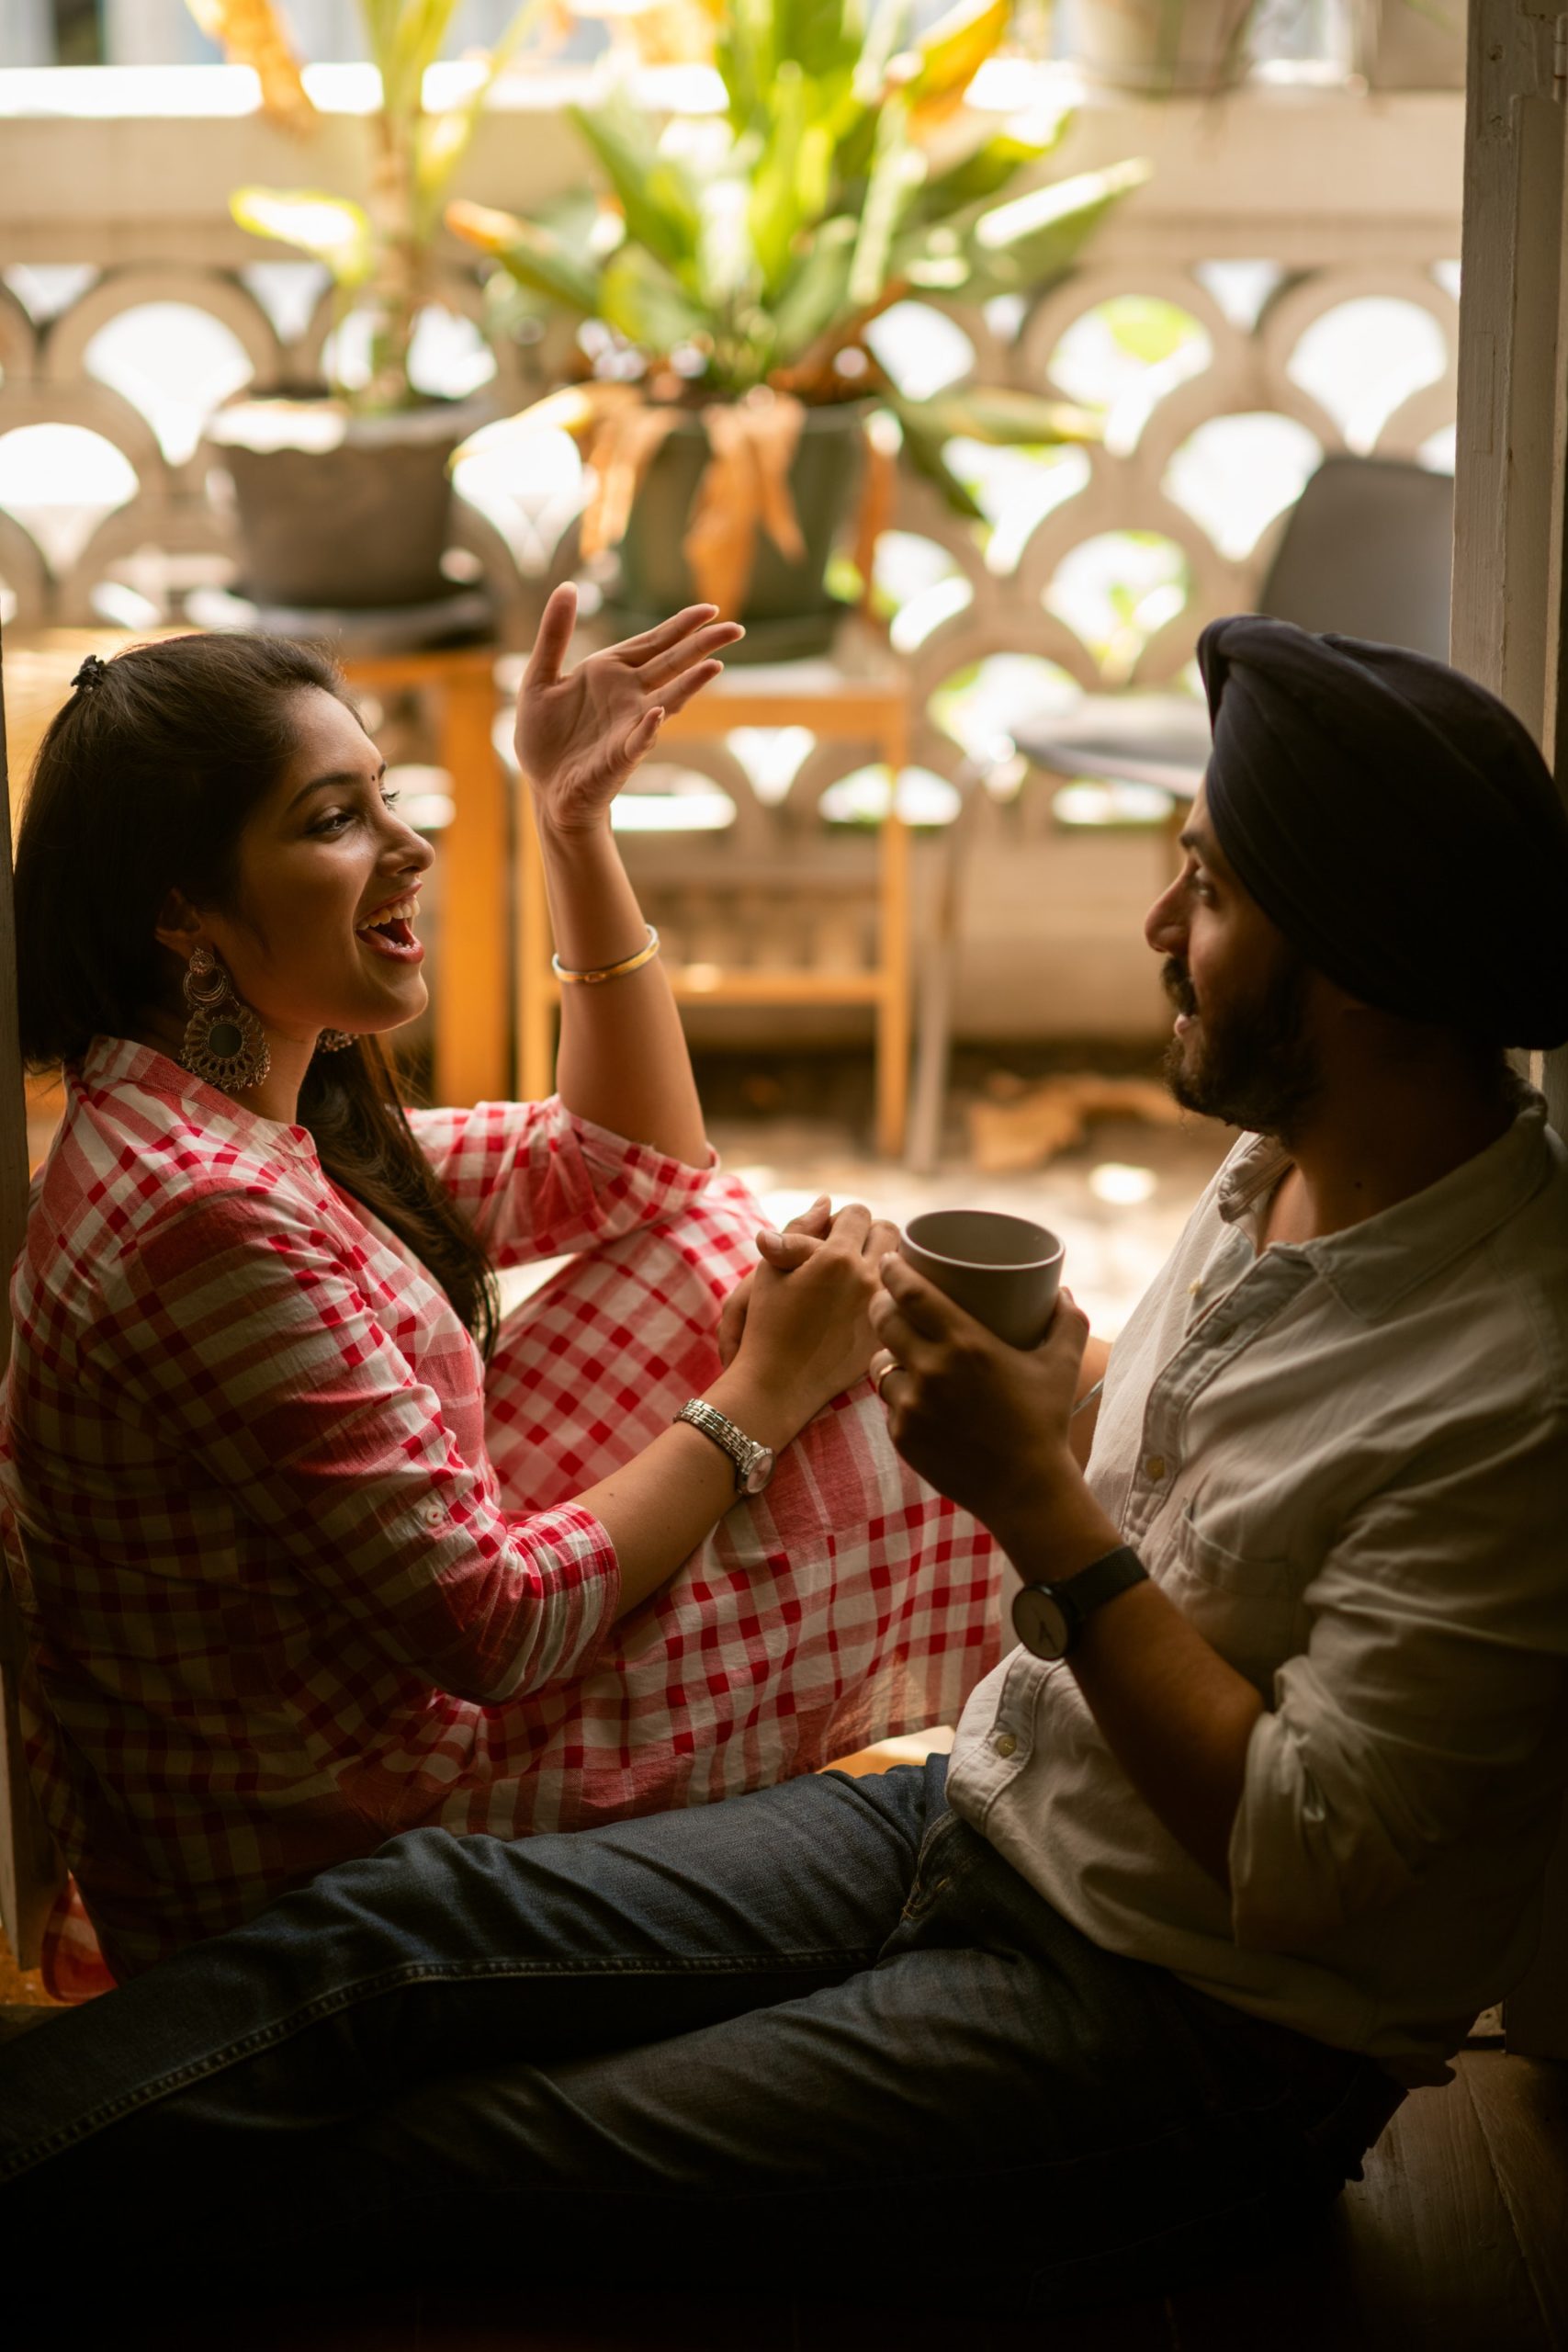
(335, 1041)
(224, 1043)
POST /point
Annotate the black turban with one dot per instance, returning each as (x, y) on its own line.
(1396, 822)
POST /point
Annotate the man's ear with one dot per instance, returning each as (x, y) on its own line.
(179, 926)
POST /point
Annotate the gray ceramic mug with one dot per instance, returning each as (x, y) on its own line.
(1004, 1270)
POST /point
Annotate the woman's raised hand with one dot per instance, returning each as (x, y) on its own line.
(580, 733)
(807, 1329)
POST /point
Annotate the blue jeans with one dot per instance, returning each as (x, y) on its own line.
(820, 2040)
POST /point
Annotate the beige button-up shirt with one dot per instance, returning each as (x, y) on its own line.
(1346, 1461)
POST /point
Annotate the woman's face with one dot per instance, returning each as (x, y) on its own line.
(322, 936)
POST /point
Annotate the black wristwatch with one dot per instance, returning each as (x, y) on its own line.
(1048, 1618)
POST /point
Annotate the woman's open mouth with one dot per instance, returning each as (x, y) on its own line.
(391, 933)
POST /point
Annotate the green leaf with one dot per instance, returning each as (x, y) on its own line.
(653, 193)
(777, 208)
(440, 143)
(405, 37)
(745, 54)
(884, 39)
(814, 35)
(817, 291)
(923, 448)
(988, 168)
(1006, 419)
(896, 171)
(725, 260)
(955, 48)
(642, 301)
(535, 254)
(329, 228)
(1028, 243)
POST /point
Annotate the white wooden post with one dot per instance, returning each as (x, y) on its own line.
(1510, 518)
(29, 1869)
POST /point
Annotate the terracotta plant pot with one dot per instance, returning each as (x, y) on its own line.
(787, 610)
(337, 511)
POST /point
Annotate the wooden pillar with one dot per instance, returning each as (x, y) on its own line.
(471, 1056)
(893, 1005)
(1510, 518)
(29, 1868)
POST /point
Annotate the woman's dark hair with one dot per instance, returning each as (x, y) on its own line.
(144, 783)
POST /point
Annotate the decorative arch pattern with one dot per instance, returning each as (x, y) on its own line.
(44, 377)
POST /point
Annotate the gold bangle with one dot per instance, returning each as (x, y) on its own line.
(645, 954)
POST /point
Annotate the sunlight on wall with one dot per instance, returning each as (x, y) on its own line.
(173, 363)
(60, 480)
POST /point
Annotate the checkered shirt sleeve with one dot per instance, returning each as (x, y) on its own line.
(241, 1328)
(536, 1180)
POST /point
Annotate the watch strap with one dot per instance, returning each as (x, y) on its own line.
(744, 1452)
(1103, 1578)
(1077, 1598)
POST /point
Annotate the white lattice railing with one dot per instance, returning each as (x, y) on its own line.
(1269, 219)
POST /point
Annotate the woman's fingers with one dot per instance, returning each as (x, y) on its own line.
(556, 625)
(641, 648)
(852, 1223)
(882, 1236)
(816, 1218)
(690, 683)
(784, 1252)
(639, 742)
(661, 667)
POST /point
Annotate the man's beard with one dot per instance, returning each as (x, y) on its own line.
(1254, 1067)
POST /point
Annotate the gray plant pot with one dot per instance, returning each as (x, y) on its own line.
(788, 613)
(1159, 46)
(1414, 44)
(333, 509)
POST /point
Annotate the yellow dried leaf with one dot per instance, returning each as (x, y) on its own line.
(253, 33)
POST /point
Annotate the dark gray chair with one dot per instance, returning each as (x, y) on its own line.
(1368, 551)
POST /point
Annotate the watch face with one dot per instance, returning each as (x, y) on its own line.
(761, 1470)
(1040, 1622)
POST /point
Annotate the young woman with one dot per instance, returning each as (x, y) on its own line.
(309, 1548)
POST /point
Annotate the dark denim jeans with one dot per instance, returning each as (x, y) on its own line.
(818, 2041)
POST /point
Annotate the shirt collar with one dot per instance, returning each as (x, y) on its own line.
(1371, 1266)
(110, 1061)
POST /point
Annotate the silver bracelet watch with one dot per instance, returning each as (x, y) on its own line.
(753, 1463)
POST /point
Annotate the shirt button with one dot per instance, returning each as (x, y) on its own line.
(1154, 1465)
(1194, 1290)
(433, 1514)
(1005, 1744)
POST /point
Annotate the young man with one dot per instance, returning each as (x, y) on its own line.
(1225, 1858)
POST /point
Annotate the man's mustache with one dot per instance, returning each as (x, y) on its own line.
(1178, 986)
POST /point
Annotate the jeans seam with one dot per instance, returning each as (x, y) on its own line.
(332, 2003)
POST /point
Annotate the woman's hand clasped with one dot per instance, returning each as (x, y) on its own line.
(580, 732)
(804, 1327)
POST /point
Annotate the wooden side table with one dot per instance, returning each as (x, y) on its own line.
(472, 1060)
(837, 709)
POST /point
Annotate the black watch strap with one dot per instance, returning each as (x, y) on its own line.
(1048, 1618)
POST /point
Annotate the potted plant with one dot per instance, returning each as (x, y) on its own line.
(1164, 48)
(727, 279)
(340, 489)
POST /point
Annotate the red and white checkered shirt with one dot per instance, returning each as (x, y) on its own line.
(296, 1572)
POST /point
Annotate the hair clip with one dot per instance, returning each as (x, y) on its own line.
(87, 676)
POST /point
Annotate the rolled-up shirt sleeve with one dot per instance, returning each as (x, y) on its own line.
(536, 1180)
(1435, 1667)
(237, 1328)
